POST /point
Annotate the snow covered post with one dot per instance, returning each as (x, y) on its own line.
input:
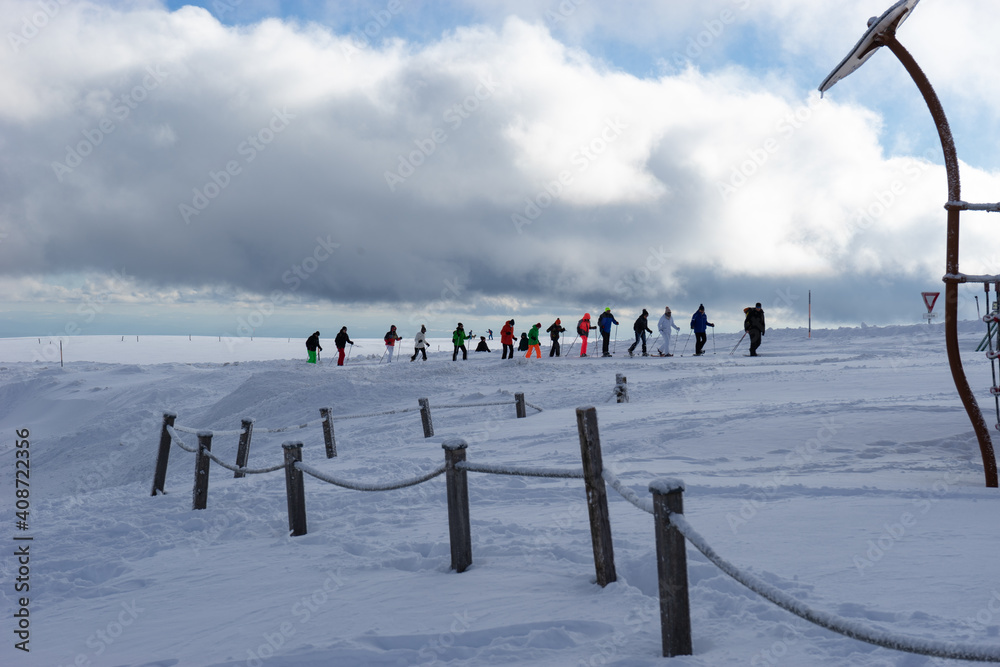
(621, 388)
(331, 443)
(202, 464)
(294, 489)
(597, 495)
(519, 406)
(458, 504)
(243, 451)
(163, 454)
(425, 417)
(671, 565)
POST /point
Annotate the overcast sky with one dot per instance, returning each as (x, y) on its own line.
(280, 167)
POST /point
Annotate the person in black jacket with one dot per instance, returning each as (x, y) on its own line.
(554, 332)
(641, 328)
(312, 344)
(754, 326)
(482, 347)
(341, 341)
(522, 346)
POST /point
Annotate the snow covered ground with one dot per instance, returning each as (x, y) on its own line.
(842, 469)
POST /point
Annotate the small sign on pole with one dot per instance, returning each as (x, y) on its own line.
(930, 298)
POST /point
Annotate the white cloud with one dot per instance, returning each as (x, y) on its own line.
(375, 174)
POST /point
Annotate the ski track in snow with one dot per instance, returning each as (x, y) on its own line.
(841, 469)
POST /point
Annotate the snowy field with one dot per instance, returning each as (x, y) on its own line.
(842, 469)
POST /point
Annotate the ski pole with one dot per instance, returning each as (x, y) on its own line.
(615, 348)
(978, 314)
(713, 340)
(349, 350)
(686, 341)
(652, 345)
(572, 344)
(738, 343)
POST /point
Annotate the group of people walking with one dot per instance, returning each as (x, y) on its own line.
(530, 342)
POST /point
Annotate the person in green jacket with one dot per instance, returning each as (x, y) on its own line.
(533, 343)
(458, 338)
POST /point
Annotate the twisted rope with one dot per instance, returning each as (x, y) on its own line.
(194, 450)
(556, 473)
(533, 406)
(645, 504)
(355, 486)
(474, 405)
(285, 429)
(177, 441)
(374, 414)
(830, 621)
(196, 431)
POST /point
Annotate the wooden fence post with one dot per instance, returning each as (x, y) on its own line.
(458, 505)
(295, 489)
(425, 417)
(202, 464)
(519, 406)
(163, 454)
(243, 451)
(331, 443)
(621, 388)
(671, 565)
(597, 496)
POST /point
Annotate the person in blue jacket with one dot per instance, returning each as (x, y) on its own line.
(699, 322)
(604, 323)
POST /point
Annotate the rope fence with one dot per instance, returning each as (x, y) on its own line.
(672, 530)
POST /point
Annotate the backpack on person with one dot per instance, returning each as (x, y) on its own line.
(583, 328)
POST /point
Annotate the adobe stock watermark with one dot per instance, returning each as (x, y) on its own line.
(361, 38)
(33, 24)
(757, 157)
(454, 116)
(294, 277)
(105, 637)
(563, 11)
(765, 492)
(302, 611)
(121, 108)
(630, 285)
(713, 29)
(584, 156)
(894, 531)
(883, 199)
(248, 150)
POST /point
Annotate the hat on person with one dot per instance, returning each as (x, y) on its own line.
(607, 310)
(558, 321)
(758, 305)
(459, 325)
(701, 306)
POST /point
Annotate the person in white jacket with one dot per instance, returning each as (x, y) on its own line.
(420, 343)
(664, 325)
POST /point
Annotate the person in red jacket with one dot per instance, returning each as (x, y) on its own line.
(390, 342)
(507, 339)
(583, 329)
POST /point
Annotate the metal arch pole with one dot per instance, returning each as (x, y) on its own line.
(951, 259)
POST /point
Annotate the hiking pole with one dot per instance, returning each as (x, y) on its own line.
(572, 344)
(615, 348)
(652, 345)
(349, 350)
(713, 340)
(738, 343)
(686, 341)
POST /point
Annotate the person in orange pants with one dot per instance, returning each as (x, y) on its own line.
(533, 344)
(583, 329)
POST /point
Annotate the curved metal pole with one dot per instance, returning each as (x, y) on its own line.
(951, 260)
